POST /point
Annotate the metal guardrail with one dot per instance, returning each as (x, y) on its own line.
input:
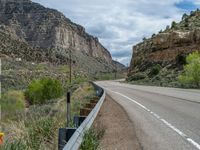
(76, 139)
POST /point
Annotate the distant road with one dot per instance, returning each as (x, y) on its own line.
(164, 118)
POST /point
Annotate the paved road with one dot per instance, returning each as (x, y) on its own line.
(164, 118)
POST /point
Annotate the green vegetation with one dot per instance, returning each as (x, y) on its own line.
(137, 76)
(181, 59)
(92, 139)
(40, 91)
(189, 77)
(11, 103)
(155, 70)
(189, 22)
(81, 96)
(12, 146)
(184, 16)
(191, 74)
(37, 128)
(173, 25)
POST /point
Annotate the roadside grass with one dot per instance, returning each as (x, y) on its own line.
(11, 103)
(81, 96)
(37, 127)
(91, 139)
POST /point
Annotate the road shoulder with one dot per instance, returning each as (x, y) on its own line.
(119, 130)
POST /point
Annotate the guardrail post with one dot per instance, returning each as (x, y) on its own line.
(78, 120)
(83, 123)
(68, 109)
(64, 135)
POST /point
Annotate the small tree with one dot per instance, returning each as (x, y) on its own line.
(153, 35)
(191, 72)
(184, 16)
(155, 70)
(144, 39)
(167, 27)
(173, 24)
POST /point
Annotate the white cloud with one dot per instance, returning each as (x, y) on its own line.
(119, 24)
(197, 2)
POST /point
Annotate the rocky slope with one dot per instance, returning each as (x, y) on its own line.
(168, 48)
(36, 41)
(45, 28)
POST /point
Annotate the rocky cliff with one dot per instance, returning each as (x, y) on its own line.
(45, 28)
(159, 60)
(169, 47)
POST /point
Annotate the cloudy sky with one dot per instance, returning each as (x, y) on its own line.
(120, 24)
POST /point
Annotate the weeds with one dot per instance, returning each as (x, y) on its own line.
(91, 139)
(37, 129)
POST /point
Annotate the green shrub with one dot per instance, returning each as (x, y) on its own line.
(174, 24)
(155, 70)
(12, 101)
(191, 72)
(181, 59)
(40, 91)
(137, 76)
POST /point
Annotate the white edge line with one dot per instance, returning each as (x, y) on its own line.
(183, 135)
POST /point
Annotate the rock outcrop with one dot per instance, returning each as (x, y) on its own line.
(45, 28)
(167, 47)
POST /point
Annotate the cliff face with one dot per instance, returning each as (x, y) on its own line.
(167, 47)
(45, 28)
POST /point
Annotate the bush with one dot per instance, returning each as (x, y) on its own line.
(174, 24)
(191, 72)
(181, 59)
(155, 70)
(12, 101)
(40, 91)
(137, 76)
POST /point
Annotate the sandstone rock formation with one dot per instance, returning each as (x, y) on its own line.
(45, 28)
(166, 47)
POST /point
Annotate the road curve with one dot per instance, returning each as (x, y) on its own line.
(164, 118)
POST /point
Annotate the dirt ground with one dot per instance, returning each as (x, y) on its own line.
(119, 130)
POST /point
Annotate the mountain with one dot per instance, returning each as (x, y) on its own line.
(166, 50)
(47, 29)
(118, 65)
(36, 41)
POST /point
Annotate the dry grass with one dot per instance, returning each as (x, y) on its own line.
(37, 129)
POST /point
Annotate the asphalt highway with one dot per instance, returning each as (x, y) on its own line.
(164, 118)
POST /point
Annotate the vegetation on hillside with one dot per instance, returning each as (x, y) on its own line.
(191, 73)
(188, 77)
(11, 103)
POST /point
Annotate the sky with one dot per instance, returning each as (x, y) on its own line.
(121, 24)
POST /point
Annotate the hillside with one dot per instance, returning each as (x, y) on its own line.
(166, 51)
(36, 41)
(47, 29)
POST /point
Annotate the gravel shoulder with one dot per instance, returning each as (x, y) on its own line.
(119, 130)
